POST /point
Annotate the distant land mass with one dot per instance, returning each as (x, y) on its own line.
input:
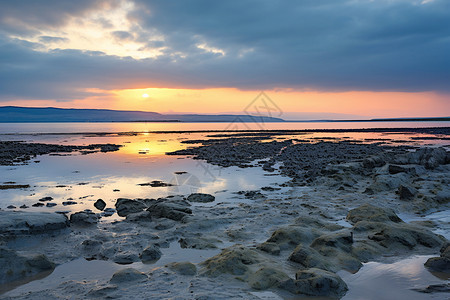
(17, 114)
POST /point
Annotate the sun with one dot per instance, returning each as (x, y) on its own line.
(144, 95)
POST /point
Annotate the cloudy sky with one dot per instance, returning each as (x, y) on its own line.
(340, 58)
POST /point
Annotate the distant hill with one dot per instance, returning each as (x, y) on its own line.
(16, 114)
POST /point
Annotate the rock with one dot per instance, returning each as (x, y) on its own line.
(307, 257)
(398, 236)
(315, 282)
(291, 236)
(143, 216)
(435, 288)
(70, 202)
(170, 210)
(200, 197)
(46, 199)
(108, 212)
(84, 218)
(183, 268)
(125, 206)
(100, 204)
(443, 197)
(150, 254)
(198, 243)
(24, 206)
(252, 195)
(16, 223)
(406, 193)
(232, 260)
(127, 275)
(10, 207)
(39, 204)
(368, 212)
(428, 157)
(125, 258)
(386, 183)
(50, 204)
(438, 264)
(269, 247)
(16, 267)
(266, 277)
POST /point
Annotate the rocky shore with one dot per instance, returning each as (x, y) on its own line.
(343, 206)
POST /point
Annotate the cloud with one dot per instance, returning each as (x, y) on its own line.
(52, 39)
(324, 45)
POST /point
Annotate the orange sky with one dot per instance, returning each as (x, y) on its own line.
(364, 104)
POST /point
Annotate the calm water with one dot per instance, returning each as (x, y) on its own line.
(149, 127)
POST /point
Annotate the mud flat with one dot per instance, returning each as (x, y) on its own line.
(345, 206)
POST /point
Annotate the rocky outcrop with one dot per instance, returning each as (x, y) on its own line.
(125, 206)
(14, 223)
(316, 282)
(15, 266)
(201, 198)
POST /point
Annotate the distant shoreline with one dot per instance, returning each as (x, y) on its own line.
(443, 119)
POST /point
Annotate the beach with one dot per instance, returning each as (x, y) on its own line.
(190, 214)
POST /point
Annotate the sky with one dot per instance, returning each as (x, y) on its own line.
(312, 58)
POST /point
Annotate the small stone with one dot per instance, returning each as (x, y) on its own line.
(100, 204)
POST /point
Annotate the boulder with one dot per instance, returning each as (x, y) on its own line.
(315, 282)
(100, 204)
(84, 218)
(125, 206)
(406, 193)
(142, 216)
(150, 254)
(200, 197)
(368, 212)
(170, 210)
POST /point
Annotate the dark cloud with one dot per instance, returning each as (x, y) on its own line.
(122, 35)
(326, 45)
(52, 39)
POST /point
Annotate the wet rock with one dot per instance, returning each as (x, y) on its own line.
(442, 263)
(125, 206)
(15, 266)
(443, 197)
(183, 268)
(24, 206)
(128, 275)
(315, 282)
(143, 216)
(125, 258)
(266, 278)
(50, 204)
(399, 236)
(291, 236)
(39, 204)
(252, 195)
(307, 257)
(368, 212)
(150, 254)
(232, 260)
(16, 223)
(269, 247)
(200, 197)
(198, 243)
(406, 193)
(70, 202)
(435, 288)
(156, 183)
(270, 189)
(10, 207)
(44, 199)
(385, 183)
(84, 218)
(171, 210)
(108, 212)
(428, 157)
(100, 204)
